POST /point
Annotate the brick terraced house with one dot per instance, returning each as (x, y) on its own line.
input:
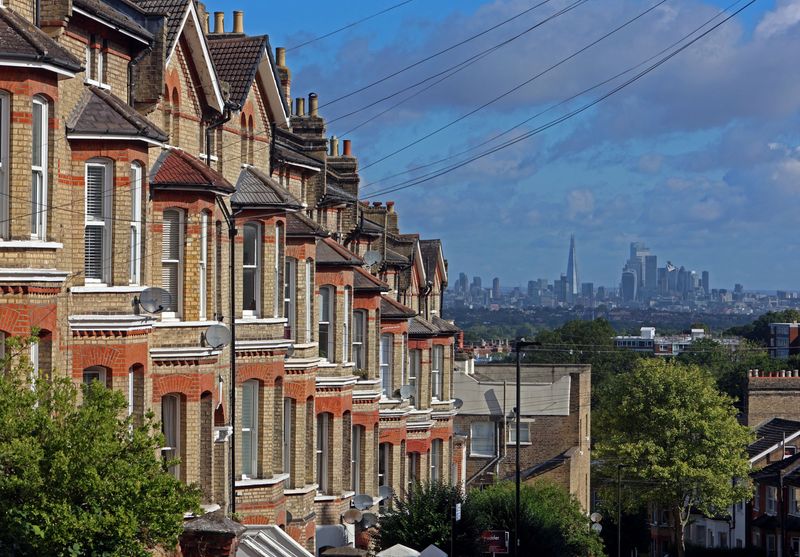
(128, 132)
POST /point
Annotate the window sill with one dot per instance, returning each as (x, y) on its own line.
(203, 156)
(521, 443)
(475, 455)
(257, 482)
(100, 287)
(29, 244)
(96, 83)
(247, 319)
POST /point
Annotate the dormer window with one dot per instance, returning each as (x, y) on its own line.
(95, 61)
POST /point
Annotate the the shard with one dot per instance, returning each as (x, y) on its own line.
(573, 284)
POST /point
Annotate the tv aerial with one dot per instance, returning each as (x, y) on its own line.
(362, 502)
(153, 299)
(217, 336)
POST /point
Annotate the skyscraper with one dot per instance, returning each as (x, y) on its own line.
(573, 285)
(496, 288)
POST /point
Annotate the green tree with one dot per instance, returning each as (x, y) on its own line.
(552, 522)
(425, 517)
(75, 477)
(758, 330)
(677, 438)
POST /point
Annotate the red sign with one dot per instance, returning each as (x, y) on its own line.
(495, 541)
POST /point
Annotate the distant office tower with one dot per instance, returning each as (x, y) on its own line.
(629, 283)
(533, 291)
(601, 292)
(560, 288)
(672, 278)
(651, 274)
(572, 272)
(706, 283)
(738, 288)
(476, 282)
(463, 285)
(587, 290)
(496, 288)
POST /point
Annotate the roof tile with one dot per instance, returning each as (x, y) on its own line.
(255, 189)
(331, 253)
(177, 169)
(102, 113)
(236, 58)
(21, 40)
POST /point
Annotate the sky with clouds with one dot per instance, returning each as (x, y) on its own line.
(698, 159)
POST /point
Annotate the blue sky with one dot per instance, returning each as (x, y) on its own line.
(699, 159)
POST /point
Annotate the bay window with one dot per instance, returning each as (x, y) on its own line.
(359, 330)
(385, 364)
(436, 460)
(172, 261)
(414, 375)
(288, 405)
(170, 427)
(290, 296)
(308, 295)
(251, 276)
(437, 368)
(97, 231)
(356, 444)
(39, 157)
(250, 429)
(346, 324)
(384, 464)
(278, 269)
(136, 224)
(323, 451)
(203, 265)
(326, 323)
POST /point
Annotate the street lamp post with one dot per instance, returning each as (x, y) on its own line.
(518, 346)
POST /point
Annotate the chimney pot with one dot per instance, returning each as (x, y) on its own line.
(390, 206)
(334, 146)
(348, 150)
(313, 104)
(280, 56)
(300, 106)
(206, 22)
(376, 203)
(238, 21)
(219, 23)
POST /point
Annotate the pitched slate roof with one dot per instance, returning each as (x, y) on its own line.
(430, 250)
(366, 282)
(173, 9)
(420, 326)
(336, 195)
(368, 227)
(176, 169)
(21, 40)
(109, 13)
(769, 473)
(395, 257)
(99, 112)
(392, 309)
(287, 154)
(236, 58)
(444, 326)
(772, 433)
(298, 224)
(331, 253)
(255, 189)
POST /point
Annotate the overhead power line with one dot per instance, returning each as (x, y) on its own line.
(348, 26)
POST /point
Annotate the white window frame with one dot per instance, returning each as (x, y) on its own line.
(39, 187)
(34, 362)
(356, 442)
(309, 293)
(414, 371)
(772, 500)
(437, 371)
(348, 310)
(524, 429)
(101, 222)
(490, 429)
(794, 501)
(403, 348)
(385, 463)
(329, 323)
(172, 431)
(94, 373)
(5, 125)
(136, 224)
(277, 297)
(96, 63)
(203, 265)
(175, 311)
(323, 451)
(359, 339)
(255, 267)
(290, 295)
(131, 379)
(287, 435)
(412, 464)
(385, 364)
(436, 461)
(249, 429)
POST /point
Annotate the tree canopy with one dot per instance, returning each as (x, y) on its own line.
(758, 330)
(677, 439)
(78, 478)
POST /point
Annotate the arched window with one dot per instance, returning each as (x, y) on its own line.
(324, 453)
(327, 325)
(250, 412)
(251, 135)
(288, 437)
(136, 393)
(172, 261)
(243, 138)
(385, 464)
(39, 157)
(436, 460)
(136, 224)
(356, 457)
(251, 264)
(176, 104)
(5, 134)
(167, 110)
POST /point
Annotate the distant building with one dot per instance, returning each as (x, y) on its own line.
(706, 283)
(784, 339)
(572, 273)
(648, 342)
(629, 286)
(555, 423)
(496, 288)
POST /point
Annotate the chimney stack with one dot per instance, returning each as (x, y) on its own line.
(390, 206)
(313, 104)
(280, 57)
(219, 23)
(334, 146)
(347, 148)
(206, 22)
(284, 74)
(300, 107)
(238, 22)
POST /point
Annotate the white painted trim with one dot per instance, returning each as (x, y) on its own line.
(33, 275)
(301, 490)
(178, 323)
(110, 25)
(774, 447)
(262, 344)
(256, 482)
(116, 138)
(367, 395)
(29, 244)
(336, 381)
(102, 288)
(36, 65)
(180, 352)
(98, 84)
(304, 345)
(301, 363)
(418, 426)
(120, 322)
(298, 165)
(262, 321)
(393, 412)
(274, 93)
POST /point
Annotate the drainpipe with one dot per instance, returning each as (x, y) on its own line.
(214, 124)
(134, 62)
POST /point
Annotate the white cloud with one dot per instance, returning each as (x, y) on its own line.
(785, 16)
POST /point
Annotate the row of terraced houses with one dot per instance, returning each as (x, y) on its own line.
(128, 130)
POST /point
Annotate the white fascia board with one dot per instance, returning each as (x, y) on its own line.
(29, 244)
(270, 83)
(419, 426)
(125, 322)
(116, 138)
(774, 447)
(37, 66)
(268, 344)
(336, 381)
(110, 25)
(306, 166)
(182, 352)
(33, 275)
(366, 395)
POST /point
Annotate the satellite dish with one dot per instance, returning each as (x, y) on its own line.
(154, 299)
(457, 403)
(386, 491)
(290, 351)
(218, 336)
(597, 527)
(351, 516)
(362, 501)
(288, 517)
(371, 257)
(406, 391)
(595, 517)
(368, 520)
